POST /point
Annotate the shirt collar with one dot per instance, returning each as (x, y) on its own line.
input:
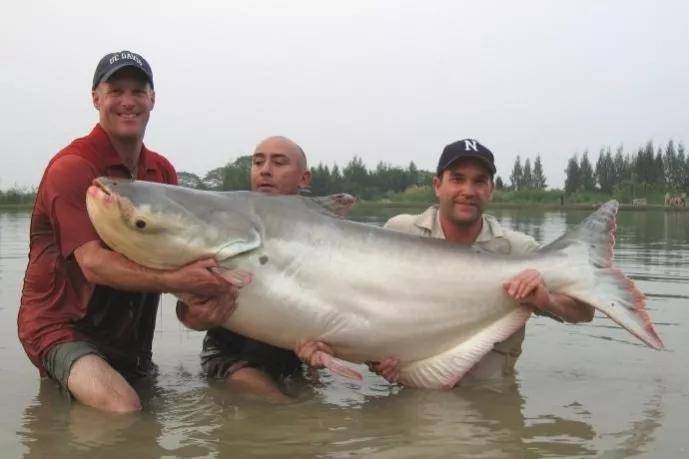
(429, 221)
(110, 157)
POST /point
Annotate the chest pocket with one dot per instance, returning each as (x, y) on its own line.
(497, 245)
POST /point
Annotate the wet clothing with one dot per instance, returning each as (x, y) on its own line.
(58, 304)
(493, 238)
(225, 352)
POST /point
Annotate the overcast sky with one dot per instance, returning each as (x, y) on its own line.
(389, 81)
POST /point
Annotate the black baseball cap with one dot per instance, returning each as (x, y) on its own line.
(466, 148)
(112, 62)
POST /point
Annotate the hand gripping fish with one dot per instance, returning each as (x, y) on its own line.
(368, 292)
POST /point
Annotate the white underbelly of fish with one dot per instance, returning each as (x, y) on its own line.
(370, 306)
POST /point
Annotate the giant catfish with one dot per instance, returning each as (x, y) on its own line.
(368, 292)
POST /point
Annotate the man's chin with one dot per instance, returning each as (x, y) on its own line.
(267, 189)
(467, 218)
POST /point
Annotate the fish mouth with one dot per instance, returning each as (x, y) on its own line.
(99, 183)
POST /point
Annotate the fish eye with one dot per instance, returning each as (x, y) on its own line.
(140, 224)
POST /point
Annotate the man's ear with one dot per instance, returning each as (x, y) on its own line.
(153, 99)
(436, 183)
(305, 179)
(95, 98)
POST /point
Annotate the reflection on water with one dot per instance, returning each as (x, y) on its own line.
(586, 390)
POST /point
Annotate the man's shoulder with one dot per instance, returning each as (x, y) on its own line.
(401, 222)
(161, 164)
(412, 223)
(520, 243)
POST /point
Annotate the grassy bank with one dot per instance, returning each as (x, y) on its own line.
(19, 206)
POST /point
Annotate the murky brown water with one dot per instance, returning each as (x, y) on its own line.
(582, 390)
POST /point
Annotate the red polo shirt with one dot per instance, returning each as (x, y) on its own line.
(55, 294)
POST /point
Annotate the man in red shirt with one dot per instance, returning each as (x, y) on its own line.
(87, 314)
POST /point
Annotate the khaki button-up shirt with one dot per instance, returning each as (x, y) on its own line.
(493, 238)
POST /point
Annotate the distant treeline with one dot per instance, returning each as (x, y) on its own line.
(17, 197)
(625, 175)
(354, 178)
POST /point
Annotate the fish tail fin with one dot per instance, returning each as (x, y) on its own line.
(613, 293)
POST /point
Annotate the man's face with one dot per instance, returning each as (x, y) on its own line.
(124, 103)
(463, 190)
(278, 167)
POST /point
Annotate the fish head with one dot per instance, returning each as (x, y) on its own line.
(164, 226)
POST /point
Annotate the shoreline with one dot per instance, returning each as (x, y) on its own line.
(520, 205)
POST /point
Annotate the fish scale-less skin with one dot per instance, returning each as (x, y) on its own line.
(368, 292)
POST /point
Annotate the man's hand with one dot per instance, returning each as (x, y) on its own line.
(197, 278)
(202, 313)
(307, 351)
(388, 368)
(528, 288)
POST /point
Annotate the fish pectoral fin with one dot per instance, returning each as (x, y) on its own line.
(236, 277)
(338, 366)
(445, 370)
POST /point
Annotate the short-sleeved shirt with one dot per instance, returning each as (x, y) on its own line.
(58, 304)
(492, 238)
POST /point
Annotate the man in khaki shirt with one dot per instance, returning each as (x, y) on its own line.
(464, 185)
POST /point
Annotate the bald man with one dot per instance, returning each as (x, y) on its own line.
(278, 167)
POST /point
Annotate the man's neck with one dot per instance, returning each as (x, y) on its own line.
(128, 151)
(460, 234)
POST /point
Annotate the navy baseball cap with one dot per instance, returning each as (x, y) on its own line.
(112, 62)
(466, 148)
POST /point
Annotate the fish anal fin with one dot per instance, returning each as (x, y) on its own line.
(615, 295)
(445, 370)
(338, 366)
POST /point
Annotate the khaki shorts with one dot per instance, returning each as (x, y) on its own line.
(59, 359)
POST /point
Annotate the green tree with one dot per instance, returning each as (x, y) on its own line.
(620, 166)
(189, 180)
(516, 175)
(572, 176)
(527, 178)
(213, 180)
(605, 171)
(586, 180)
(539, 181)
(236, 174)
(498, 183)
(321, 180)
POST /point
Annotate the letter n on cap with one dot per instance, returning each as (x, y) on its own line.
(470, 145)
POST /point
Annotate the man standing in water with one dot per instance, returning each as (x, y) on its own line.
(278, 167)
(464, 186)
(87, 314)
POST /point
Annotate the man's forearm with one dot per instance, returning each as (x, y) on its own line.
(105, 267)
(569, 309)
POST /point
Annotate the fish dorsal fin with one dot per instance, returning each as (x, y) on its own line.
(338, 204)
(597, 232)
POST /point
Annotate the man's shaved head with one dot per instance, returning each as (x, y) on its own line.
(279, 166)
(284, 142)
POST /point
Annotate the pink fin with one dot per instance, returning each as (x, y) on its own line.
(338, 366)
(236, 277)
(613, 293)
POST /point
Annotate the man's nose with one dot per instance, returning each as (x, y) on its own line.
(266, 169)
(127, 100)
(468, 189)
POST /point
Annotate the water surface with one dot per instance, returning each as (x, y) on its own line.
(588, 390)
